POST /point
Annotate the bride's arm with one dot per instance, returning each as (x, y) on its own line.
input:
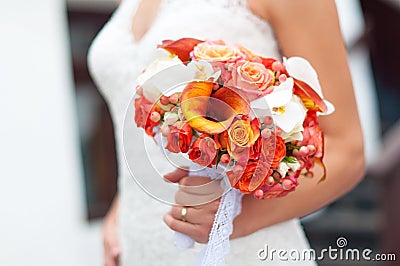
(310, 29)
(111, 244)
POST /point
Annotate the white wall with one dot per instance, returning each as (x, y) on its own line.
(42, 207)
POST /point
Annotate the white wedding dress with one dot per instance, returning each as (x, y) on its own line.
(115, 61)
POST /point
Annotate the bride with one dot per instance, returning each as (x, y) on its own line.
(137, 227)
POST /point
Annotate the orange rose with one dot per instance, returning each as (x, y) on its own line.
(179, 138)
(214, 52)
(255, 149)
(280, 152)
(203, 150)
(253, 78)
(244, 183)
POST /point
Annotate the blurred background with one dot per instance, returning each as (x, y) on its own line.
(57, 159)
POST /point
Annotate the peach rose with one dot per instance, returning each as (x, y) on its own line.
(242, 135)
(203, 150)
(179, 138)
(214, 52)
(252, 78)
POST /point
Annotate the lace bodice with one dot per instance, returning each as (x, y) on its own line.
(115, 60)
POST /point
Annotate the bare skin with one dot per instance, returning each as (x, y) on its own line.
(111, 244)
(144, 18)
(310, 29)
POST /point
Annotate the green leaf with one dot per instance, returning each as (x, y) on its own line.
(219, 155)
(290, 159)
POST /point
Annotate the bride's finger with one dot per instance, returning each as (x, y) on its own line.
(200, 185)
(196, 215)
(192, 215)
(179, 225)
(184, 198)
(176, 212)
(176, 175)
(109, 261)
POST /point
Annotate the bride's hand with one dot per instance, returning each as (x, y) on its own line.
(202, 197)
(110, 236)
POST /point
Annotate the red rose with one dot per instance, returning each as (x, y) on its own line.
(221, 140)
(179, 138)
(143, 109)
(203, 150)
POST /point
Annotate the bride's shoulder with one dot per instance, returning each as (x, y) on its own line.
(286, 11)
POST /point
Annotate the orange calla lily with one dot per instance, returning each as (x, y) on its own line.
(310, 98)
(181, 47)
(211, 113)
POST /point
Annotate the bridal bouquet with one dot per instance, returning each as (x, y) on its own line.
(228, 108)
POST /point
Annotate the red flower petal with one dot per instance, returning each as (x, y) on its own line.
(309, 97)
(181, 47)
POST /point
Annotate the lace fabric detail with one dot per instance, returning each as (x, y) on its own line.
(241, 8)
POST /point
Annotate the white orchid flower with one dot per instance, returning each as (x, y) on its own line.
(151, 80)
(287, 117)
(295, 134)
(287, 109)
(300, 69)
(203, 70)
(168, 75)
(195, 70)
